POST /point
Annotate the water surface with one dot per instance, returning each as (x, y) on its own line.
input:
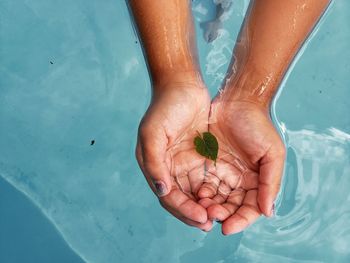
(72, 72)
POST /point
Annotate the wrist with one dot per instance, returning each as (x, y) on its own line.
(251, 84)
(169, 80)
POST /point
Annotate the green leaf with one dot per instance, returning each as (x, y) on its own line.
(207, 145)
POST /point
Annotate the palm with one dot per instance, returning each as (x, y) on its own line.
(246, 135)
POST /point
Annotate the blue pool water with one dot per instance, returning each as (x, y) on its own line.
(72, 72)
(26, 234)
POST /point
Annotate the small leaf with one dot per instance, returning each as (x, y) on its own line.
(207, 145)
(212, 145)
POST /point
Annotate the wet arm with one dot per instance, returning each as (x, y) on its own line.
(167, 33)
(270, 37)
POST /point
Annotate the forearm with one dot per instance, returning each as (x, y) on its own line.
(271, 35)
(167, 33)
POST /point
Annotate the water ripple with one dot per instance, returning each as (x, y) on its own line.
(318, 223)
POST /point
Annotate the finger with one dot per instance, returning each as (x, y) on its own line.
(219, 199)
(190, 178)
(209, 188)
(187, 168)
(184, 206)
(249, 180)
(196, 178)
(220, 212)
(244, 216)
(207, 226)
(153, 153)
(271, 170)
(223, 192)
(227, 172)
(206, 202)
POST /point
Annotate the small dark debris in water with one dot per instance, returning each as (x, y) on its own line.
(92, 142)
(320, 91)
(130, 231)
(51, 62)
(136, 42)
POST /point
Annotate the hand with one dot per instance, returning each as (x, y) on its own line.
(179, 108)
(247, 176)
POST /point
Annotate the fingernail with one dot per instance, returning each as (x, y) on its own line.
(272, 210)
(160, 188)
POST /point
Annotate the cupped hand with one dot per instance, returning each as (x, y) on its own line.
(179, 108)
(247, 176)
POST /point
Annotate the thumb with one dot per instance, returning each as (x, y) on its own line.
(270, 175)
(153, 153)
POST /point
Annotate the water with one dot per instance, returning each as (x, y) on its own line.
(72, 72)
(26, 234)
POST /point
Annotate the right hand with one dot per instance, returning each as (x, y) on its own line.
(247, 177)
(179, 108)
